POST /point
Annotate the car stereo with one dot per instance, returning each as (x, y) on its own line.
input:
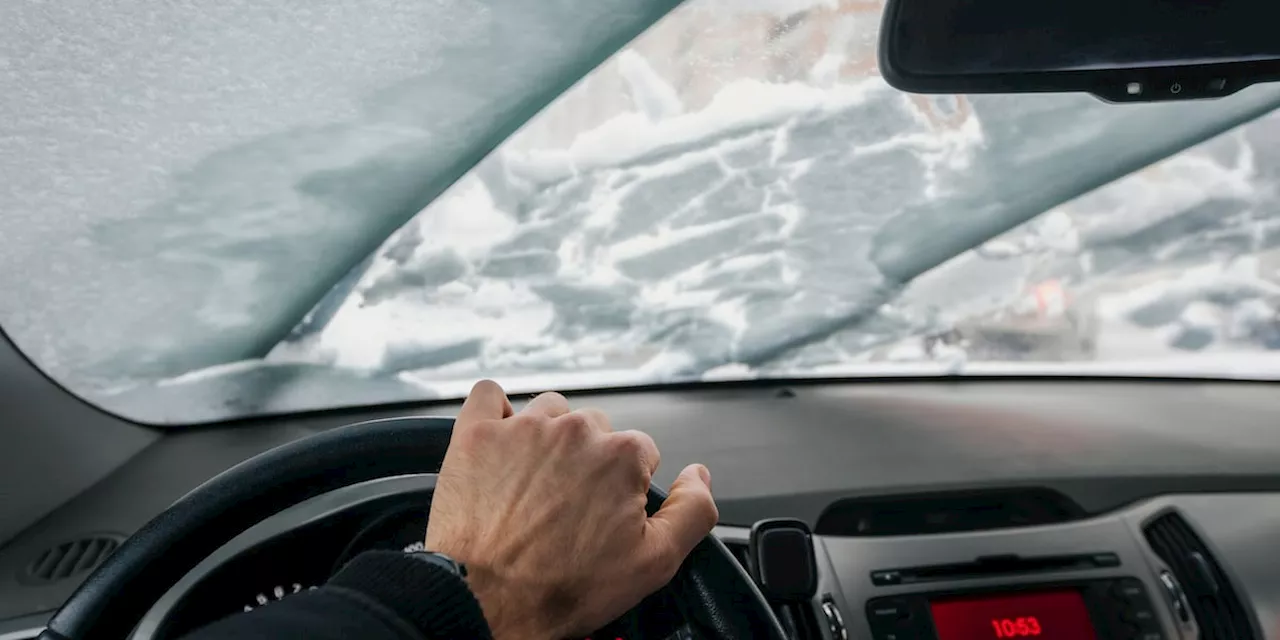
(1112, 609)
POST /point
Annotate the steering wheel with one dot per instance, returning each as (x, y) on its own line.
(721, 602)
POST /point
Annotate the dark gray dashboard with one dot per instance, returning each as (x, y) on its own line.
(775, 450)
(1242, 530)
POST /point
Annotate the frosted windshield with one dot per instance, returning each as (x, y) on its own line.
(737, 194)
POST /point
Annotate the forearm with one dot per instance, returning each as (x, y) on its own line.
(377, 596)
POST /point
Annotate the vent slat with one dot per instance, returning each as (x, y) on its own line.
(105, 550)
(45, 563)
(1205, 581)
(1213, 600)
(1179, 545)
(69, 559)
(1173, 550)
(89, 558)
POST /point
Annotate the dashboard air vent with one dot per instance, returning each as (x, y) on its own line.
(1213, 600)
(69, 559)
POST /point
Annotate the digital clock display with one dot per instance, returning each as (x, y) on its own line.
(1039, 615)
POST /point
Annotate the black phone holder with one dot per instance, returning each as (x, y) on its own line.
(782, 560)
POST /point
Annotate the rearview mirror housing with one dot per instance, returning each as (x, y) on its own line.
(1118, 50)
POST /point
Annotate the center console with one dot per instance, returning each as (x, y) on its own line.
(1148, 571)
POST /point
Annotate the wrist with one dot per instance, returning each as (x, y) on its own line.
(432, 599)
(510, 609)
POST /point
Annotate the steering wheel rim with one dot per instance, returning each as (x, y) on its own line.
(724, 602)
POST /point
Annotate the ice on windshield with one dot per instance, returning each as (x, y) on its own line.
(734, 194)
(184, 181)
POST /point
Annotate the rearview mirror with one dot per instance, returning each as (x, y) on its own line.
(1118, 50)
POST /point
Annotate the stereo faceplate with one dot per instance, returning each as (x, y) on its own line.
(1119, 609)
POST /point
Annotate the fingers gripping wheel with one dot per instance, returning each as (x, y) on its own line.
(721, 602)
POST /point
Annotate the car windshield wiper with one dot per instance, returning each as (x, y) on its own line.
(1001, 193)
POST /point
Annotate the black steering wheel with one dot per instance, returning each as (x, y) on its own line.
(720, 600)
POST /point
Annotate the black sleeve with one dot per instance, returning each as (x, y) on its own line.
(379, 595)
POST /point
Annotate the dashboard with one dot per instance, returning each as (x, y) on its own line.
(1160, 569)
(938, 510)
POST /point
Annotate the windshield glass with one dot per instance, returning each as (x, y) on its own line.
(735, 194)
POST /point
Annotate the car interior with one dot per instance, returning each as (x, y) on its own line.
(1007, 479)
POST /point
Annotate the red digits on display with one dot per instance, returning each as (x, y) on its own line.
(1036, 615)
(1027, 627)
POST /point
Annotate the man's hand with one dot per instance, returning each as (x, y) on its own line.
(547, 509)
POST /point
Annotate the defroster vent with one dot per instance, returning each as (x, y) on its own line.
(946, 512)
(1217, 609)
(70, 559)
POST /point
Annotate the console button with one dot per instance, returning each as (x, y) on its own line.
(890, 619)
(1129, 590)
(881, 578)
(1139, 616)
(887, 612)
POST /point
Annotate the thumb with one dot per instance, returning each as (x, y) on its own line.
(684, 519)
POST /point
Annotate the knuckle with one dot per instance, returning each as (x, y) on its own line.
(574, 424)
(626, 446)
(525, 422)
(627, 454)
(647, 446)
(552, 397)
(628, 451)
